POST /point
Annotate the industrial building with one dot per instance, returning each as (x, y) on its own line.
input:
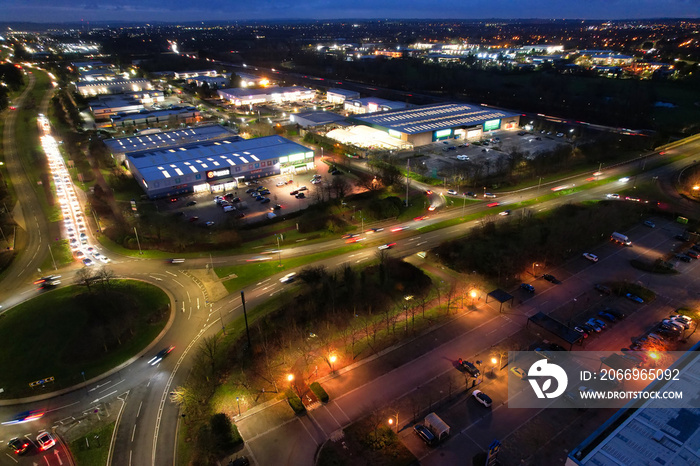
(651, 431)
(156, 138)
(429, 123)
(172, 116)
(242, 96)
(214, 82)
(215, 166)
(372, 105)
(338, 96)
(91, 88)
(105, 106)
(316, 119)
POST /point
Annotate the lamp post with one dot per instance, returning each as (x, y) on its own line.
(279, 251)
(391, 421)
(473, 294)
(534, 264)
(493, 365)
(332, 359)
(239, 405)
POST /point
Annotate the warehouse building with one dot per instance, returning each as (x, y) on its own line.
(214, 82)
(242, 96)
(172, 116)
(660, 431)
(90, 88)
(372, 105)
(317, 119)
(216, 166)
(105, 106)
(155, 139)
(339, 96)
(429, 123)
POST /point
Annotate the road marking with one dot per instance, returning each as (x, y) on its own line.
(130, 451)
(108, 394)
(139, 411)
(66, 406)
(197, 303)
(58, 457)
(169, 272)
(179, 283)
(111, 386)
(188, 296)
(133, 432)
(8, 455)
(116, 427)
(156, 278)
(260, 283)
(308, 432)
(422, 242)
(360, 260)
(98, 386)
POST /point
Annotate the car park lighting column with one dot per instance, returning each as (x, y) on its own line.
(391, 421)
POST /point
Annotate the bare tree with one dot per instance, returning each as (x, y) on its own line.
(105, 276)
(85, 277)
(209, 351)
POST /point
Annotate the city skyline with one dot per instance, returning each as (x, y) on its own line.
(148, 10)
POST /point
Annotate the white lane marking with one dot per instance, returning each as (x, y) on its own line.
(99, 386)
(111, 386)
(58, 457)
(197, 303)
(173, 274)
(264, 281)
(66, 406)
(179, 283)
(8, 455)
(133, 433)
(139, 411)
(130, 451)
(156, 278)
(108, 394)
(422, 242)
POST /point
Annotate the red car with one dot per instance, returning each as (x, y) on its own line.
(493, 204)
(194, 219)
(420, 217)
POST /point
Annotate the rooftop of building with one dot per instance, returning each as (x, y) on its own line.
(152, 113)
(199, 157)
(245, 92)
(171, 138)
(434, 117)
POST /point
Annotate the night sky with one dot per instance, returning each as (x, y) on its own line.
(207, 10)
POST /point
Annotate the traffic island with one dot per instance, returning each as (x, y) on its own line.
(67, 336)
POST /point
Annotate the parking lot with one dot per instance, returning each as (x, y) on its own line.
(571, 299)
(201, 208)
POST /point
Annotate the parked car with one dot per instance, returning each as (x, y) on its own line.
(683, 257)
(482, 398)
(649, 223)
(300, 196)
(607, 316)
(424, 433)
(634, 298)
(602, 288)
(590, 328)
(19, 446)
(518, 372)
(265, 200)
(469, 368)
(591, 257)
(615, 312)
(583, 332)
(550, 278)
(692, 254)
(527, 287)
(191, 203)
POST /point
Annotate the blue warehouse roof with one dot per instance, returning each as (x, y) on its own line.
(176, 137)
(433, 117)
(160, 164)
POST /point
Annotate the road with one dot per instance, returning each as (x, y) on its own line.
(147, 428)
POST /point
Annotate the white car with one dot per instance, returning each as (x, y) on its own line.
(288, 278)
(451, 192)
(590, 257)
(482, 398)
(612, 196)
(104, 259)
(281, 183)
(45, 441)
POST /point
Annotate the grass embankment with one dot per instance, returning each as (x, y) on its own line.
(92, 448)
(252, 272)
(68, 331)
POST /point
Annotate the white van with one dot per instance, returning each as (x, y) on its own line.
(229, 208)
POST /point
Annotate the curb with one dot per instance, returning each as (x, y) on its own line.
(156, 340)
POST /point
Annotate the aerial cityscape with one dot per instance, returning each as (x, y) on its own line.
(379, 233)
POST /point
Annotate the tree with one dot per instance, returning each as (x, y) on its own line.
(209, 351)
(85, 277)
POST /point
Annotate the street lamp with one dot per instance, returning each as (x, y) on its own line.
(332, 360)
(493, 367)
(239, 405)
(391, 421)
(534, 264)
(473, 294)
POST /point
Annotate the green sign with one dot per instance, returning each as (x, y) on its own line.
(443, 133)
(492, 124)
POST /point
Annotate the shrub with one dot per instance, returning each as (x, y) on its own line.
(295, 402)
(658, 266)
(319, 392)
(225, 435)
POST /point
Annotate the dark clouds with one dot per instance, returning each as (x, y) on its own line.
(188, 10)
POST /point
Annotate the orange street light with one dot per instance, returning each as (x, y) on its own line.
(290, 377)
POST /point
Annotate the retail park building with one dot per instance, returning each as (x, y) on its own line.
(215, 163)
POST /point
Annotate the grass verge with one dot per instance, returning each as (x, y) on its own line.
(75, 333)
(88, 451)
